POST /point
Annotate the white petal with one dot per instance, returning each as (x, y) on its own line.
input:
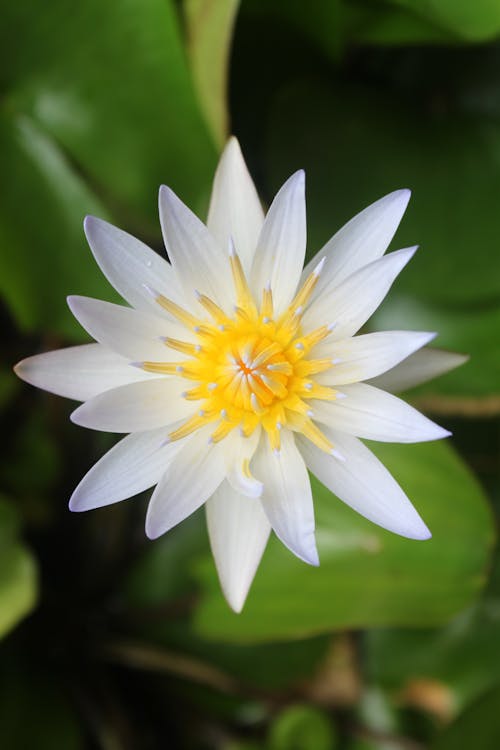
(282, 244)
(350, 304)
(129, 265)
(370, 413)
(235, 210)
(287, 496)
(366, 356)
(130, 333)
(189, 481)
(199, 262)
(238, 529)
(79, 372)
(419, 368)
(363, 239)
(363, 483)
(238, 454)
(136, 407)
(133, 465)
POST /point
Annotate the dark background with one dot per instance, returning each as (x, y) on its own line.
(112, 642)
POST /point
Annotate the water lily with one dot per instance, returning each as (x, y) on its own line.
(235, 371)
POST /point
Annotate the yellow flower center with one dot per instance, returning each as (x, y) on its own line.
(252, 368)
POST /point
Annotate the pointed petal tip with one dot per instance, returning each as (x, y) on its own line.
(235, 599)
(299, 177)
(75, 416)
(428, 336)
(445, 433)
(422, 535)
(92, 225)
(312, 557)
(403, 195)
(434, 432)
(19, 367)
(72, 301)
(75, 503)
(89, 222)
(408, 251)
(80, 501)
(232, 144)
(26, 370)
(296, 181)
(305, 551)
(165, 195)
(152, 532)
(416, 529)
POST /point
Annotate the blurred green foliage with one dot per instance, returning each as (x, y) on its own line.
(99, 109)
(369, 576)
(302, 728)
(130, 642)
(17, 571)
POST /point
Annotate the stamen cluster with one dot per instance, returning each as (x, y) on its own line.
(250, 368)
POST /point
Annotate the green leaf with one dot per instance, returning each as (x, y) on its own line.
(386, 25)
(162, 578)
(367, 576)
(472, 22)
(469, 330)
(302, 728)
(210, 26)
(43, 253)
(357, 145)
(98, 110)
(414, 21)
(269, 666)
(18, 575)
(356, 148)
(478, 727)
(162, 572)
(110, 83)
(462, 658)
(18, 586)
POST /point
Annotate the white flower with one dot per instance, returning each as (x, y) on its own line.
(234, 371)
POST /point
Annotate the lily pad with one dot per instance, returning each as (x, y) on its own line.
(368, 577)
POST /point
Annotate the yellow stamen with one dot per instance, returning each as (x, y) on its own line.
(190, 426)
(304, 344)
(196, 394)
(212, 308)
(222, 431)
(181, 346)
(178, 312)
(312, 367)
(248, 369)
(304, 294)
(243, 293)
(163, 368)
(314, 434)
(267, 306)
